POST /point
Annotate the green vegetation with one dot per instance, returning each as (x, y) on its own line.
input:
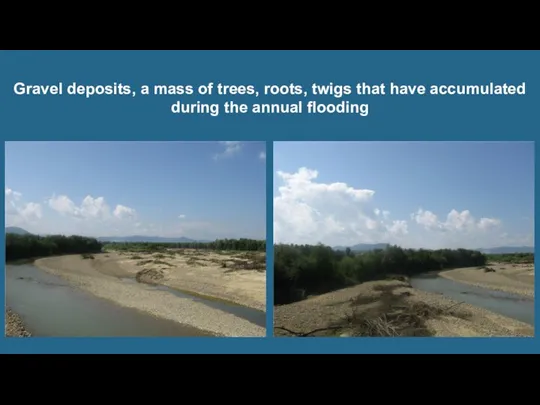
(20, 247)
(220, 245)
(512, 258)
(301, 270)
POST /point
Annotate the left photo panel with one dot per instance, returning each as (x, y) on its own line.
(135, 239)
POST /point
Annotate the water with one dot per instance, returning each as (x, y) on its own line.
(50, 307)
(506, 304)
(254, 316)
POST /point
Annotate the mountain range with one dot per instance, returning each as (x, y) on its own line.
(508, 249)
(17, 231)
(135, 238)
(149, 239)
(362, 247)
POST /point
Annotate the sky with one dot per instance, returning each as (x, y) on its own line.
(199, 190)
(416, 195)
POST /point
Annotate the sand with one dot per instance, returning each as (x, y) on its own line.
(511, 278)
(334, 308)
(105, 274)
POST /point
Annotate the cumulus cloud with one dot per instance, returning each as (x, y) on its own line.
(231, 148)
(94, 216)
(455, 221)
(90, 208)
(123, 212)
(18, 212)
(309, 211)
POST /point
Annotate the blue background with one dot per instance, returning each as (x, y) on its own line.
(149, 118)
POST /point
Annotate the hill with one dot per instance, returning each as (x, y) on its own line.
(508, 250)
(17, 231)
(363, 247)
(148, 239)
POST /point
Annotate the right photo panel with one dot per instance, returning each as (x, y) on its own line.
(404, 239)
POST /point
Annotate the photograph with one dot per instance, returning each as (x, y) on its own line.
(403, 239)
(135, 239)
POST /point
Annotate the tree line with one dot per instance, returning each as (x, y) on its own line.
(20, 247)
(513, 258)
(243, 244)
(301, 270)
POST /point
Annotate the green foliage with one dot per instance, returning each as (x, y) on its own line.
(20, 247)
(221, 244)
(301, 270)
(513, 258)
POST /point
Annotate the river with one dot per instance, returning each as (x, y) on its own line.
(506, 304)
(49, 306)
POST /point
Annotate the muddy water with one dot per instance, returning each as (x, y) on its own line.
(49, 306)
(510, 305)
(254, 316)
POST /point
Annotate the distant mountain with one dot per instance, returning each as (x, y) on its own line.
(152, 239)
(17, 231)
(363, 247)
(508, 250)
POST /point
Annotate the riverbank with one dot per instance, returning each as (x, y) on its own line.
(511, 278)
(391, 308)
(14, 325)
(104, 276)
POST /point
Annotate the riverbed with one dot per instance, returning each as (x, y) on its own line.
(50, 305)
(510, 305)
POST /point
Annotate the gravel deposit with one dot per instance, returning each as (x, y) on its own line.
(14, 325)
(83, 274)
(333, 308)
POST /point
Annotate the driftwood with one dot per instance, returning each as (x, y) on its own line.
(371, 323)
(306, 334)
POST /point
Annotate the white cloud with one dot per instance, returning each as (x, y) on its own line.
(15, 195)
(308, 211)
(93, 216)
(455, 221)
(18, 212)
(123, 212)
(262, 155)
(231, 148)
(90, 207)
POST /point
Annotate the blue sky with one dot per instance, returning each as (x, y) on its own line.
(200, 190)
(418, 194)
